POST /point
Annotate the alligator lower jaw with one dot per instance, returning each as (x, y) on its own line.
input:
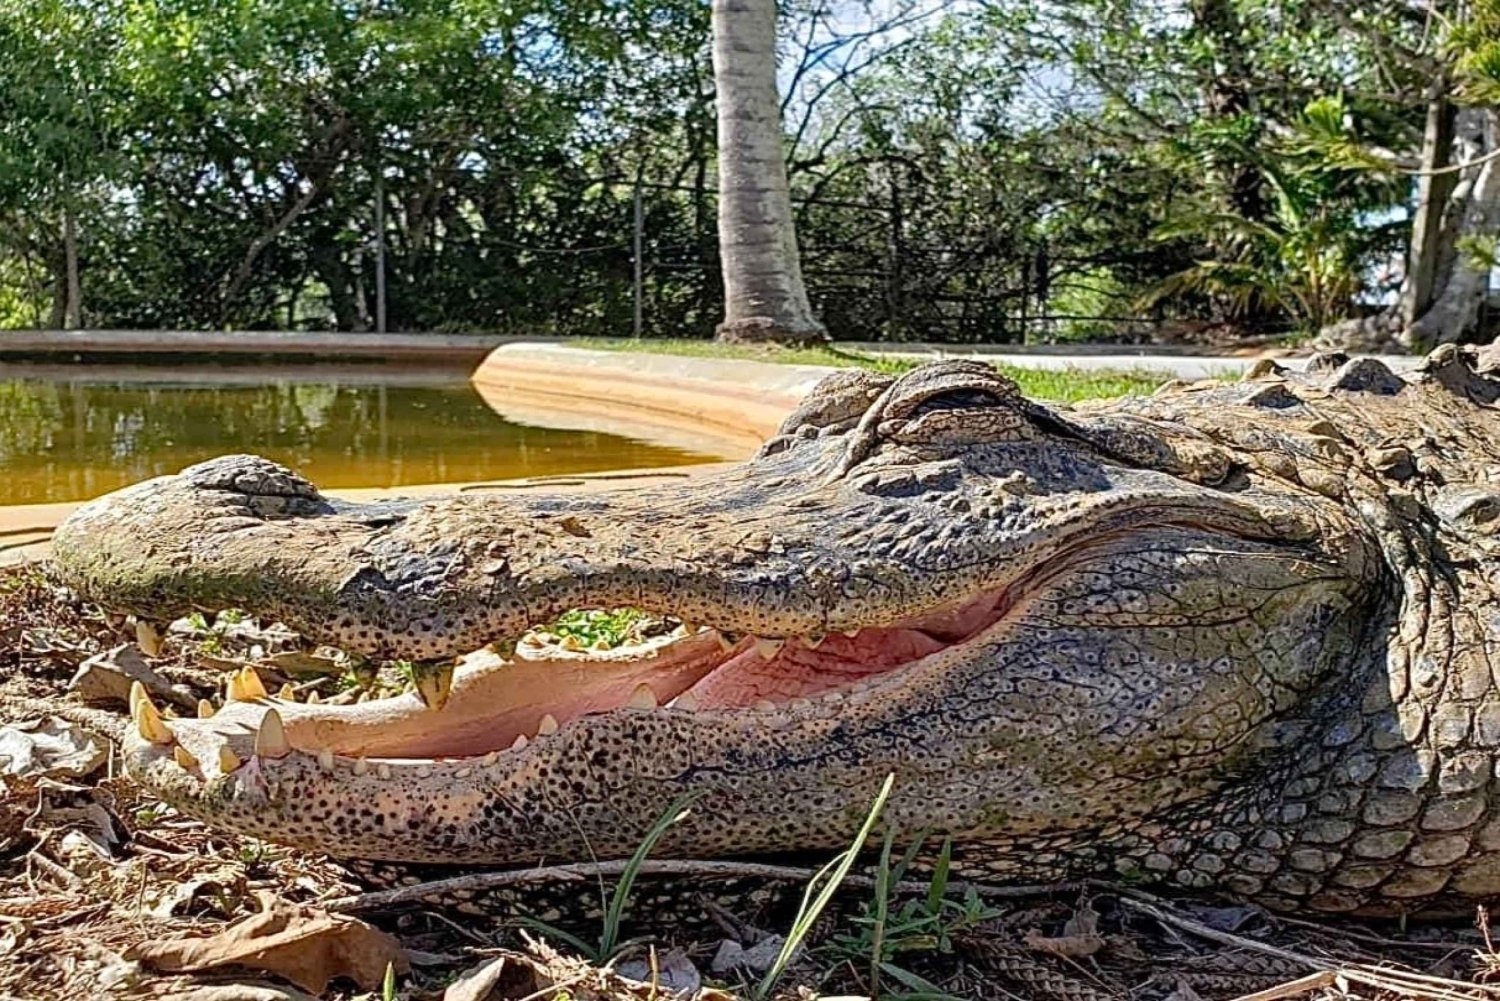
(497, 705)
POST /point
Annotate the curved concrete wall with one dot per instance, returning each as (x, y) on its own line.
(722, 405)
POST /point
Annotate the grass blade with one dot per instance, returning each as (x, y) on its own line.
(938, 888)
(882, 912)
(610, 935)
(812, 908)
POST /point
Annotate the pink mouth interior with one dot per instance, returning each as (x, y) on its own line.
(798, 671)
(494, 700)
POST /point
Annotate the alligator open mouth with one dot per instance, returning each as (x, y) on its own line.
(494, 703)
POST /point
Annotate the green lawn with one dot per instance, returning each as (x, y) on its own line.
(1065, 385)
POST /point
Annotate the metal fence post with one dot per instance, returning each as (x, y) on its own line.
(379, 251)
(637, 320)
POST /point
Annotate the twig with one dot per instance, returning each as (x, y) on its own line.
(1290, 989)
(33, 530)
(657, 867)
(1401, 981)
(1371, 939)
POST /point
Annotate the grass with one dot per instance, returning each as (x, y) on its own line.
(1064, 385)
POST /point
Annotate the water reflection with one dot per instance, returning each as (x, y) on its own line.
(73, 434)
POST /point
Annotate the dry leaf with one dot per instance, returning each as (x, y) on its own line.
(511, 977)
(52, 748)
(107, 677)
(238, 992)
(306, 945)
(1080, 936)
(675, 975)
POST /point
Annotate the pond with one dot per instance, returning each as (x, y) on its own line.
(71, 433)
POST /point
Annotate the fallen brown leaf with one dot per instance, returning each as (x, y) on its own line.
(1080, 936)
(306, 945)
(511, 978)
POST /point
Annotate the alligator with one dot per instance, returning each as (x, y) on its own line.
(1232, 637)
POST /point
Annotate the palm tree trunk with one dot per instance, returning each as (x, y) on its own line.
(72, 317)
(764, 298)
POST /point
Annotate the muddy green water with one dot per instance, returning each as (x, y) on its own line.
(70, 435)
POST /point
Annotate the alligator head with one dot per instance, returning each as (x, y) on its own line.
(1108, 639)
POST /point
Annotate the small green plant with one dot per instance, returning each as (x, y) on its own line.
(819, 893)
(388, 986)
(918, 926)
(149, 814)
(617, 898)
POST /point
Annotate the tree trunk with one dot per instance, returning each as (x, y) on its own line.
(1454, 311)
(764, 298)
(1434, 188)
(72, 312)
(1226, 96)
(1448, 270)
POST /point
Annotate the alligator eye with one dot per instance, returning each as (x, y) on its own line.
(961, 416)
(955, 399)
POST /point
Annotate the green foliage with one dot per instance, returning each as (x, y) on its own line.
(1307, 255)
(961, 176)
(820, 890)
(1066, 385)
(918, 926)
(617, 898)
(594, 626)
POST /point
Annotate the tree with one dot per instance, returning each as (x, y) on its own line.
(764, 297)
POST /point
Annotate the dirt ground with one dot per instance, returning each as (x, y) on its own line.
(105, 892)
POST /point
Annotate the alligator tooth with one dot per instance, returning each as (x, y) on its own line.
(383, 771)
(519, 742)
(205, 709)
(245, 685)
(548, 724)
(433, 684)
(644, 697)
(851, 633)
(764, 706)
(148, 638)
(531, 640)
(287, 693)
(148, 721)
(572, 643)
(463, 772)
(313, 698)
(325, 760)
(184, 759)
(361, 766)
(489, 759)
(801, 705)
(768, 649)
(687, 701)
(228, 760)
(814, 641)
(270, 739)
